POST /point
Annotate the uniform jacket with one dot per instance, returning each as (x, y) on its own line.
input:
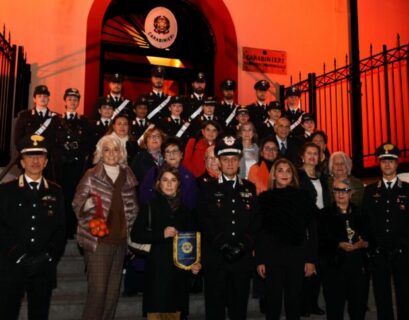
(154, 101)
(258, 114)
(387, 216)
(31, 223)
(28, 121)
(73, 139)
(227, 215)
(97, 181)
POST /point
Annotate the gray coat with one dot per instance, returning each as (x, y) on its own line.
(97, 181)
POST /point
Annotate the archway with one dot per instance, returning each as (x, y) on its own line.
(213, 23)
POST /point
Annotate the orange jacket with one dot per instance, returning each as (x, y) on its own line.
(258, 174)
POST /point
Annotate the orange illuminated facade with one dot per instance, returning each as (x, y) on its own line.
(66, 47)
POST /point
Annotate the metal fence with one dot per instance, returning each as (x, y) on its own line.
(384, 98)
(14, 85)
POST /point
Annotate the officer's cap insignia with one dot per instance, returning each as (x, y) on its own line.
(229, 140)
(36, 139)
(388, 147)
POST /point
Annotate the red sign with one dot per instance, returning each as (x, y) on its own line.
(265, 61)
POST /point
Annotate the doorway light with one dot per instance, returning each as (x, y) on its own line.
(166, 62)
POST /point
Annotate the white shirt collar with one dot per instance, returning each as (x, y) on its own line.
(281, 141)
(105, 119)
(28, 179)
(198, 96)
(393, 181)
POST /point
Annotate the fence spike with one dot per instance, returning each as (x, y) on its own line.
(398, 39)
(370, 49)
(346, 59)
(291, 80)
(299, 76)
(335, 63)
(324, 67)
(4, 29)
(9, 37)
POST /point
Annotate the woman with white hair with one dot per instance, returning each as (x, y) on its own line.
(113, 182)
(340, 167)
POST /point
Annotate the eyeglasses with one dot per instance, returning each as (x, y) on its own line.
(154, 136)
(172, 152)
(341, 190)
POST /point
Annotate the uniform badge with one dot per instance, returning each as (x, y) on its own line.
(36, 139)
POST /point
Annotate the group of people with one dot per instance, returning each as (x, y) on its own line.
(273, 206)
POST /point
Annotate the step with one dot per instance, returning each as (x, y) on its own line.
(70, 265)
(64, 307)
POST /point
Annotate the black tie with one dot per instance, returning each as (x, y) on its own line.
(283, 149)
(389, 185)
(177, 121)
(71, 116)
(141, 123)
(106, 123)
(33, 186)
(230, 183)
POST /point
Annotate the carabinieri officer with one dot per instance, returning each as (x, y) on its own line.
(32, 235)
(228, 217)
(386, 211)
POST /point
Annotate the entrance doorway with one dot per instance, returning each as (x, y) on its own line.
(122, 47)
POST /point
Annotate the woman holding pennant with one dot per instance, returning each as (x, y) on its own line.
(166, 293)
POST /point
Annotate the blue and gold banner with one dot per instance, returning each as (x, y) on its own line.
(186, 249)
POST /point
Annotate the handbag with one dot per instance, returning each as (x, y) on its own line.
(142, 249)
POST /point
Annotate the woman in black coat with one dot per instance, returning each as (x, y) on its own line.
(286, 248)
(166, 287)
(315, 184)
(343, 256)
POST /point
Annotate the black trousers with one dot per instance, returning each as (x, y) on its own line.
(284, 281)
(310, 292)
(38, 292)
(226, 286)
(383, 270)
(345, 285)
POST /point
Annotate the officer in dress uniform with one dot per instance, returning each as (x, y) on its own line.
(100, 127)
(196, 99)
(386, 210)
(32, 234)
(172, 124)
(308, 127)
(227, 107)
(74, 138)
(294, 112)
(140, 123)
(39, 120)
(228, 218)
(274, 111)
(258, 112)
(119, 102)
(208, 114)
(158, 100)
